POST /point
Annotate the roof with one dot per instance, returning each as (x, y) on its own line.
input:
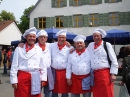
(4, 24)
(33, 7)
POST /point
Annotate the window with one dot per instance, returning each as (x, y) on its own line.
(42, 23)
(93, 1)
(93, 18)
(112, 1)
(77, 20)
(113, 19)
(59, 21)
(77, 2)
(59, 3)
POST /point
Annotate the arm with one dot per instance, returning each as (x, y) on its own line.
(14, 68)
(112, 55)
(124, 66)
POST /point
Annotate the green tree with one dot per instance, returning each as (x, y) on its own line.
(24, 21)
(4, 15)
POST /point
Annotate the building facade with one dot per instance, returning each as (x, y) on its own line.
(81, 16)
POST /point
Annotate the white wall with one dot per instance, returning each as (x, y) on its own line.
(10, 33)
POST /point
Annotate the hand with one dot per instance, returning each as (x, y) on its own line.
(113, 77)
(21, 45)
(69, 82)
(68, 44)
(42, 83)
(14, 86)
(121, 83)
(72, 50)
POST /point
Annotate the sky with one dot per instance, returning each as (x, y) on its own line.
(16, 7)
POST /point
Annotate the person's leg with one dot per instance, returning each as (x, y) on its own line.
(87, 94)
(128, 87)
(65, 95)
(54, 94)
(47, 92)
(75, 95)
(5, 69)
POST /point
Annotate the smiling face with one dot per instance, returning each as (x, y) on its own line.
(79, 45)
(97, 37)
(42, 39)
(31, 38)
(61, 39)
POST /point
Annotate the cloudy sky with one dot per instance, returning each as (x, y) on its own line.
(16, 6)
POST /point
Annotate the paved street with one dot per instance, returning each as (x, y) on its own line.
(7, 91)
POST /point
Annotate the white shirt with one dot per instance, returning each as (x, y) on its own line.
(27, 61)
(59, 57)
(46, 55)
(99, 57)
(78, 64)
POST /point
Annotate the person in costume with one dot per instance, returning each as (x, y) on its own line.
(78, 69)
(28, 70)
(104, 73)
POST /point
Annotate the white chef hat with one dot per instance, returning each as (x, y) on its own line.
(81, 38)
(100, 31)
(32, 30)
(42, 32)
(61, 32)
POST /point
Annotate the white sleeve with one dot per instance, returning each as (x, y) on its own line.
(43, 69)
(112, 55)
(14, 67)
(69, 68)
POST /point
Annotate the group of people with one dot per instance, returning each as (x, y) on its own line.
(60, 68)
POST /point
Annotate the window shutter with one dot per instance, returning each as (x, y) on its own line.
(106, 1)
(65, 23)
(99, 1)
(53, 3)
(36, 22)
(52, 22)
(106, 19)
(64, 2)
(82, 2)
(121, 18)
(100, 16)
(86, 2)
(127, 18)
(70, 21)
(71, 2)
(47, 22)
(119, 0)
(85, 20)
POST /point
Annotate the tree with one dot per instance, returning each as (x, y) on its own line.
(4, 15)
(24, 21)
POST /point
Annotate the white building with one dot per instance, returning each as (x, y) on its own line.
(81, 16)
(9, 31)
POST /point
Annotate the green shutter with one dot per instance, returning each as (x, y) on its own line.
(119, 0)
(70, 21)
(100, 16)
(121, 18)
(65, 23)
(127, 18)
(106, 19)
(53, 4)
(106, 1)
(71, 2)
(64, 2)
(99, 1)
(85, 20)
(36, 22)
(52, 22)
(86, 2)
(82, 2)
(47, 22)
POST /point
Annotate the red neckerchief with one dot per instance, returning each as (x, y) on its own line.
(42, 46)
(80, 52)
(27, 48)
(61, 46)
(97, 45)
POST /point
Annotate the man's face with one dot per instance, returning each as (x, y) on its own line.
(31, 38)
(97, 37)
(79, 45)
(61, 39)
(42, 39)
